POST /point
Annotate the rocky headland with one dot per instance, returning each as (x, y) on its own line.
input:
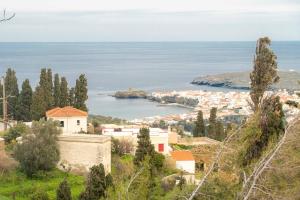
(241, 80)
(130, 94)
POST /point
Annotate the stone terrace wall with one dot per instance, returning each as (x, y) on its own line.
(79, 152)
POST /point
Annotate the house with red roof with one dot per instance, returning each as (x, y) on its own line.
(184, 160)
(71, 120)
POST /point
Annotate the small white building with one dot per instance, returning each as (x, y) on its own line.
(71, 120)
(159, 137)
(184, 160)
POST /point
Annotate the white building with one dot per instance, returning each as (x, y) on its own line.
(159, 137)
(71, 120)
(184, 160)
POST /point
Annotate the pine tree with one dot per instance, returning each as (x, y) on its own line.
(264, 71)
(56, 90)
(25, 102)
(64, 92)
(63, 191)
(11, 89)
(81, 93)
(144, 147)
(199, 130)
(71, 97)
(212, 123)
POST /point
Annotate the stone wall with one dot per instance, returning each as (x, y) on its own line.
(79, 152)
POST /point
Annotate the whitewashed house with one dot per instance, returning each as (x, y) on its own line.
(159, 137)
(71, 120)
(184, 160)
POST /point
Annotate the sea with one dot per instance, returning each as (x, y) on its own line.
(149, 66)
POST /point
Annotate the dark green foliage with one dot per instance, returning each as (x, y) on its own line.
(56, 91)
(39, 148)
(109, 181)
(64, 92)
(15, 132)
(264, 71)
(71, 97)
(24, 103)
(292, 103)
(11, 91)
(144, 147)
(96, 183)
(157, 160)
(199, 130)
(212, 123)
(271, 125)
(40, 195)
(39, 106)
(81, 93)
(220, 132)
(63, 191)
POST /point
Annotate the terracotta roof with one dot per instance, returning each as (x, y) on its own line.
(182, 155)
(67, 111)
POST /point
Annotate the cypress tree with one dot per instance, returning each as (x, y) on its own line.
(199, 130)
(11, 89)
(49, 90)
(25, 102)
(264, 71)
(71, 97)
(56, 90)
(212, 123)
(64, 92)
(220, 132)
(63, 191)
(39, 106)
(81, 93)
(144, 147)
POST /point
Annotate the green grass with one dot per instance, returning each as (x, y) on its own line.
(23, 187)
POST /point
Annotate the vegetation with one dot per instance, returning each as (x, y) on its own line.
(199, 130)
(14, 132)
(39, 148)
(63, 191)
(81, 93)
(121, 147)
(264, 72)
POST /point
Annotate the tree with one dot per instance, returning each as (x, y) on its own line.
(96, 183)
(220, 132)
(144, 147)
(56, 91)
(64, 92)
(199, 130)
(11, 91)
(24, 102)
(264, 71)
(14, 132)
(39, 106)
(81, 93)
(63, 191)
(71, 97)
(212, 123)
(39, 149)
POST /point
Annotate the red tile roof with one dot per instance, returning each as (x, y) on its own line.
(67, 111)
(182, 155)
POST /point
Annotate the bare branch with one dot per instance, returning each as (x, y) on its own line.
(7, 18)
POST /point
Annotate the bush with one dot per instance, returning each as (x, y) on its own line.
(121, 147)
(158, 160)
(38, 149)
(15, 132)
(40, 195)
(63, 191)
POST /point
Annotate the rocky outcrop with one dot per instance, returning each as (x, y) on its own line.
(170, 99)
(241, 80)
(130, 94)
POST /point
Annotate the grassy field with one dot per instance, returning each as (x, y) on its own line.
(23, 187)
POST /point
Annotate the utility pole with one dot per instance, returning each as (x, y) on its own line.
(4, 104)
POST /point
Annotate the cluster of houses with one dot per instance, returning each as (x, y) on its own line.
(81, 151)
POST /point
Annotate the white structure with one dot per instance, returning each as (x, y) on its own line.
(71, 120)
(79, 152)
(184, 160)
(159, 137)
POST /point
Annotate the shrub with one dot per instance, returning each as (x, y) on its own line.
(63, 191)
(38, 149)
(121, 147)
(40, 195)
(15, 132)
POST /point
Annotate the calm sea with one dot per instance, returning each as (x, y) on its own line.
(149, 66)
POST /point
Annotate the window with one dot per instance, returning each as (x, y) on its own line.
(78, 122)
(160, 147)
(62, 124)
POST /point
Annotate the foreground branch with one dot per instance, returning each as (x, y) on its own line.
(7, 18)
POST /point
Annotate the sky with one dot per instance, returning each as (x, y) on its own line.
(150, 20)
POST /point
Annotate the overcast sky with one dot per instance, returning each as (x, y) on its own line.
(151, 20)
